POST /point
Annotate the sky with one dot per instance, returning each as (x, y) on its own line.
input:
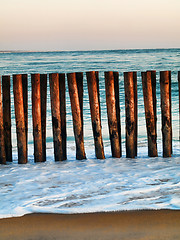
(48, 25)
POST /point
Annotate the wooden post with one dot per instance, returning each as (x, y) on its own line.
(25, 102)
(20, 119)
(112, 116)
(170, 107)
(56, 117)
(79, 80)
(2, 145)
(43, 88)
(135, 110)
(179, 101)
(130, 115)
(77, 115)
(116, 89)
(62, 97)
(93, 89)
(97, 80)
(166, 113)
(36, 114)
(149, 113)
(7, 116)
(153, 80)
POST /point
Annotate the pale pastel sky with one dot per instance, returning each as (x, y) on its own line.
(89, 24)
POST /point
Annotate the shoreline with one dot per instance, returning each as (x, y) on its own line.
(135, 225)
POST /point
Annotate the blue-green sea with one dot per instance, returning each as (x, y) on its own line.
(93, 185)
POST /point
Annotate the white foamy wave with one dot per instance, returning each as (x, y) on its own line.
(91, 185)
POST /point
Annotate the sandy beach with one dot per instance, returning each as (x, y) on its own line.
(141, 225)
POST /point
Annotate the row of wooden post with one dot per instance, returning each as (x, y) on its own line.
(58, 111)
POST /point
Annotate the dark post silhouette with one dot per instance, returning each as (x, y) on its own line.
(36, 114)
(149, 113)
(62, 97)
(135, 110)
(77, 115)
(130, 114)
(93, 89)
(112, 115)
(43, 87)
(56, 117)
(20, 119)
(7, 116)
(166, 113)
(2, 145)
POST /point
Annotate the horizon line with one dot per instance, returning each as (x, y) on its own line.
(92, 50)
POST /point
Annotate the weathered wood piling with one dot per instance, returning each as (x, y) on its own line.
(62, 97)
(135, 110)
(170, 108)
(130, 114)
(94, 100)
(20, 119)
(58, 112)
(76, 104)
(98, 91)
(43, 91)
(179, 100)
(79, 80)
(36, 114)
(149, 113)
(25, 103)
(56, 116)
(117, 97)
(2, 143)
(6, 83)
(165, 81)
(153, 81)
(112, 114)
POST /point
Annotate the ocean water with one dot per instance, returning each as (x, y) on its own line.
(93, 185)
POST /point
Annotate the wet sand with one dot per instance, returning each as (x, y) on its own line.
(141, 225)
